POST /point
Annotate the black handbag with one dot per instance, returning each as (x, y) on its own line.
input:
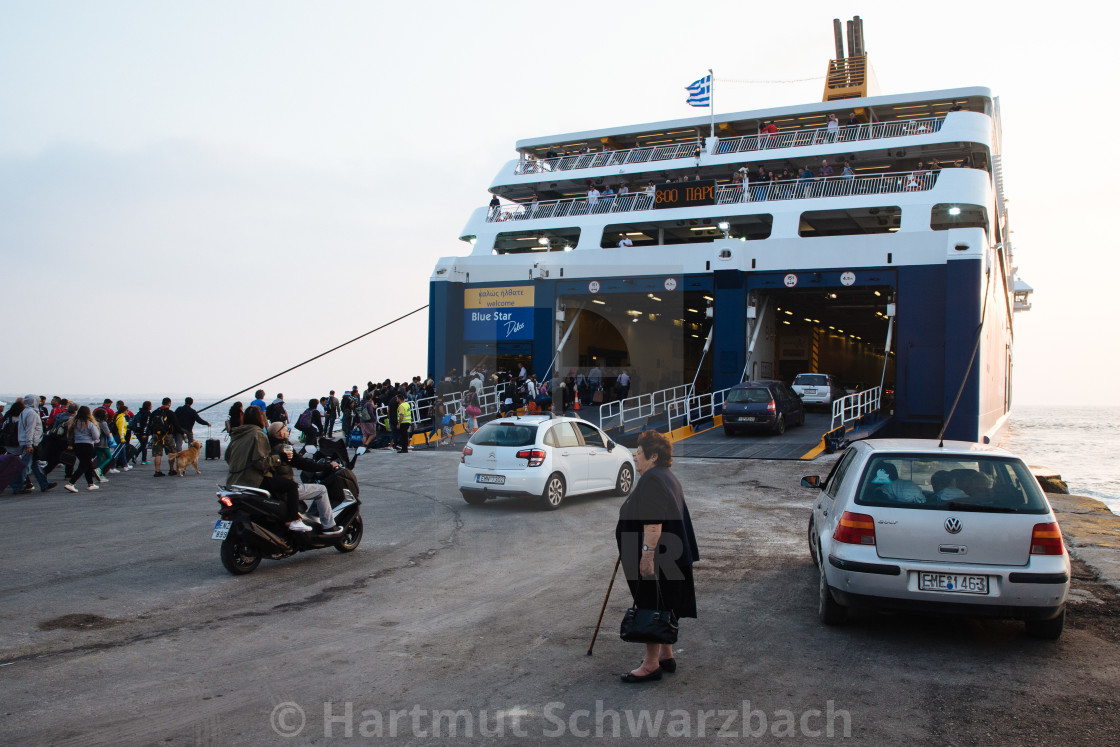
(649, 626)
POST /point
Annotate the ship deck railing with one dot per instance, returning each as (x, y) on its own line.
(741, 144)
(725, 194)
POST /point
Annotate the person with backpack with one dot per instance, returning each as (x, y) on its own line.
(310, 423)
(276, 412)
(54, 444)
(367, 414)
(29, 432)
(139, 428)
(347, 406)
(334, 408)
(162, 429)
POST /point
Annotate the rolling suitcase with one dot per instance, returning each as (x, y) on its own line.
(213, 446)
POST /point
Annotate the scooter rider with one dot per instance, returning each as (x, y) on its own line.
(252, 464)
(280, 447)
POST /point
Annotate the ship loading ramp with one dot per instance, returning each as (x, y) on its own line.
(694, 423)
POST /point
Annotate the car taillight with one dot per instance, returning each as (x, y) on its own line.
(855, 529)
(1046, 539)
(225, 501)
(770, 406)
(467, 451)
(535, 456)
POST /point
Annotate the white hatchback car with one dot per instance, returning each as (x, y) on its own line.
(542, 457)
(958, 528)
(817, 389)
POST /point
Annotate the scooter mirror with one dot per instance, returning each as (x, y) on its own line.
(361, 450)
(311, 450)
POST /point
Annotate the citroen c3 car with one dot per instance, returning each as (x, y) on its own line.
(957, 528)
(543, 457)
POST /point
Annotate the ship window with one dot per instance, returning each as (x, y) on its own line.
(955, 215)
(850, 222)
(524, 242)
(694, 231)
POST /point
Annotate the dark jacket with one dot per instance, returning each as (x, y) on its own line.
(657, 499)
(249, 457)
(186, 417)
(287, 468)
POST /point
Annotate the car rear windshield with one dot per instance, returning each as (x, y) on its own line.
(498, 433)
(950, 483)
(755, 395)
(811, 380)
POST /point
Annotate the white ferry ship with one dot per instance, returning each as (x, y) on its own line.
(639, 248)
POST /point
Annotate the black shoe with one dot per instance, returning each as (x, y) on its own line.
(158, 474)
(336, 529)
(631, 678)
(48, 486)
(669, 665)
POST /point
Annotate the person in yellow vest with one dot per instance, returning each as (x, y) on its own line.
(404, 423)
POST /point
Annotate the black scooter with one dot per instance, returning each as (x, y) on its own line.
(252, 524)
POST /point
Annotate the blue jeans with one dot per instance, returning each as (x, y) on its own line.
(32, 464)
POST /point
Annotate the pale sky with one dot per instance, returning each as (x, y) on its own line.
(194, 196)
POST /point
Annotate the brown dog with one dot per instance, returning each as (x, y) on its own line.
(180, 460)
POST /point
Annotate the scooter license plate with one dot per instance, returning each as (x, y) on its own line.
(221, 529)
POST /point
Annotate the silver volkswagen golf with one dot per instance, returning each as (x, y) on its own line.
(959, 528)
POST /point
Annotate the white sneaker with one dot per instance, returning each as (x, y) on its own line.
(97, 471)
(92, 487)
(103, 479)
(299, 526)
(114, 471)
(71, 488)
(127, 467)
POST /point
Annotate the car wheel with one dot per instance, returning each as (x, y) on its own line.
(829, 610)
(553, 494)
(1049, 630)
(813, 546)
(473, 498)
(780, 425)
(625, 482)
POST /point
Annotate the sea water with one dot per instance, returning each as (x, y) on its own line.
(1078, 443)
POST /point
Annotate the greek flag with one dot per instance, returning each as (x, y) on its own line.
(700, 92)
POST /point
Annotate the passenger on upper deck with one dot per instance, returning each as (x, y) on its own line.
(495, 205)
(833, 128)
(825, 170)
(625, 242)
(766, 132)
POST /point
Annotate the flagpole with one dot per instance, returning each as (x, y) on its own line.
(712, 100)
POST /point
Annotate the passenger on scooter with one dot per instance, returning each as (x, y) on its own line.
(252, 464)
(278, 439)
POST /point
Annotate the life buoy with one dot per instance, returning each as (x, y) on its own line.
(913, 184)
(502, 216)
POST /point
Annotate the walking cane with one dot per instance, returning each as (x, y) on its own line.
(604, 608)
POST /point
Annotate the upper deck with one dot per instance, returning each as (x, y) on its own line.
(946, 125)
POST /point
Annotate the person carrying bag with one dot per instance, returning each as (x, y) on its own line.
(657, 547)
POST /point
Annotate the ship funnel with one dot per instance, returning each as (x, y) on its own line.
(849, 76)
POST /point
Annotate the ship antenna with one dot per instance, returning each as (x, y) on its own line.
(971, 360)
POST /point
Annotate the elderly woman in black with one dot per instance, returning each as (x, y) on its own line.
(654, 533)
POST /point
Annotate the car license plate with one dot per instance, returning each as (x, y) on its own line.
(748, 419)
(810, 390)
(953, 583)
(491, 479)
(221, 529)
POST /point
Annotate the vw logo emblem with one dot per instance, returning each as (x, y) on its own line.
(953, 525)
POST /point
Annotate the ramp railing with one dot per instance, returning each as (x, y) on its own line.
(854, 406)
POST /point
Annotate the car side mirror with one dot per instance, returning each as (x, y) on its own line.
(812, 481)
(610, 445)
